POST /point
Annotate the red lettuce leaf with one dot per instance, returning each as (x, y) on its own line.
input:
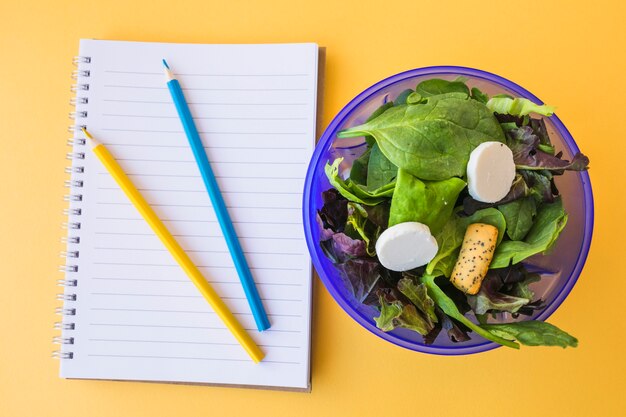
(489, 297)
(524, 144)
(360, 276)
(334, 212)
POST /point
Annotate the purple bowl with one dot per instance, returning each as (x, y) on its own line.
(560, 269)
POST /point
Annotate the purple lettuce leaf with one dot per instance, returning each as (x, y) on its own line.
(524, 144)
(489, 297)
(334, 212)
(341, 247)
(519, 189)
(360, 276)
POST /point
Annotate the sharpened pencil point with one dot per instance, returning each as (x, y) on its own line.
(90, 139)
(86, 133)
(168, 73)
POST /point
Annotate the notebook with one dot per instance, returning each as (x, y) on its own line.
(129, 311)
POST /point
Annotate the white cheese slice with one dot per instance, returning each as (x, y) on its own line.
(405, 246)
(490, 172)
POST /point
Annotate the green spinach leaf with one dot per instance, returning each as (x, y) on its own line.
(401, 99)
(358, 172)
(519, 216)
(550, 221)
(479, 96)
(533, 333)
(436, 86)
(447, 305)
(355, 192)
(427, 202)
(414, 98)
(380, 110)
(380, 170)
(431, 141)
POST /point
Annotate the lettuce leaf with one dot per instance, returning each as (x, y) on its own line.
(432, 141)
(437, 86)
(380, 170)
(380, 110)
(334, 212)
(456, 332)
(360, 166)
(490, 298)
(519, 216)
(550, 221)
(401, 99)
(451, 236)
(418, 295)
(533, 333)
(358, 219)
(479, 96)
(524, 144)
(427, 202)
(398, 313)
(341, 247)
(519, 189)
(518, 106)
(447, 305)
(360, 276)
(355, 192)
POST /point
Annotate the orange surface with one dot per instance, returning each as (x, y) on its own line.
(571, 54)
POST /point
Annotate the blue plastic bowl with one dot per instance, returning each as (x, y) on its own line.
(561, 268)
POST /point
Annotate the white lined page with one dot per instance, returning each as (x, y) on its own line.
(138, 316)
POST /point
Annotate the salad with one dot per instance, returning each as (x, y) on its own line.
(432, 225)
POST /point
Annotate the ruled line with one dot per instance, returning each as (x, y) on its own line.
(200, 103)
(201, 236)
(202, 117)
(284, 148)
(187, 357)
(199, 251)
(114, 294)
(183, 311)
(209, 75)
(187, 342)
(199, 176)
(187, 281)
(272, 329)
(139, 219)
(114, 203)
(199, 266)
(212, 162)
(203, 131)
(204, 191)
(146, 87)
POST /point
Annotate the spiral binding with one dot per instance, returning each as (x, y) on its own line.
(74, 198)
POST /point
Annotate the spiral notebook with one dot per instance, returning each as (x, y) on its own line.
(129, 312)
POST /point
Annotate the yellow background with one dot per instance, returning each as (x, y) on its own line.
(568, 54)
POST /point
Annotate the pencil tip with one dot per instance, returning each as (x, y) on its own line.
(165, 64)
(86, 133)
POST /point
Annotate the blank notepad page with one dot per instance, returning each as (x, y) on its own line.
(137, 315)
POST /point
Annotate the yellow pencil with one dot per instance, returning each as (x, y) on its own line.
(174, 248)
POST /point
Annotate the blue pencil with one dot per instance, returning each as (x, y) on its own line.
(260, 316)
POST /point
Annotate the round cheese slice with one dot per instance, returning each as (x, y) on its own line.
(405, 246)
(490, 172)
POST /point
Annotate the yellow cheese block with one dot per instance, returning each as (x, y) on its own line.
(476, 253)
